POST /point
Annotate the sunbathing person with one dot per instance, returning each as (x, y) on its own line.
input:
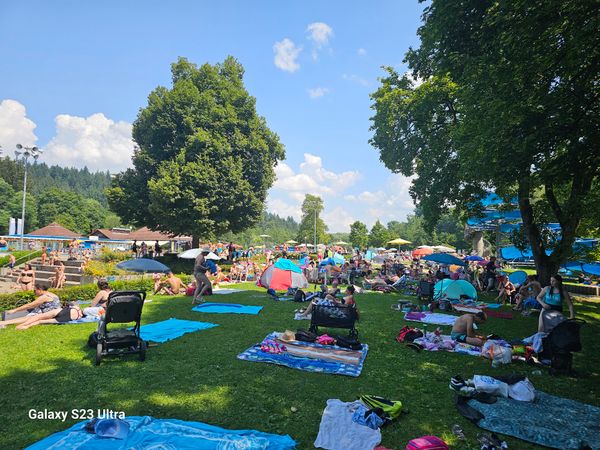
(170, 286)
(528, 292)
(464, 331)
(45, 302)
(505, 290)
(330, 300)
(62, 315)
(26, 278)
(99, 302)
(156, 278)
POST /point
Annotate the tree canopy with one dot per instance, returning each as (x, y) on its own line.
(359, 234)
(508, 101)
(379, 235)
(312, 206)
(205, 159)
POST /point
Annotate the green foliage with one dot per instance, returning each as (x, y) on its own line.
(206, 158)
(509, 102)
(74, 198)
(311, 222)
(379, 235)
(359, 235)
(279, 230)
(4, 260)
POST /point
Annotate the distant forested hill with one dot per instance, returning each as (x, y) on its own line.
(72, 197)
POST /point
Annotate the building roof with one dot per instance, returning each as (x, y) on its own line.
(55, 230)
(142, 234)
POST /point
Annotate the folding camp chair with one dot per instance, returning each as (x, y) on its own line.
(425, 291)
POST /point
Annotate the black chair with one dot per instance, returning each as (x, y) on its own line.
(559, 345)
(425, 290)
(334, 317)
(122, 307)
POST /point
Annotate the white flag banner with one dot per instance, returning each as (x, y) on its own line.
(19, 226)
(12, 226)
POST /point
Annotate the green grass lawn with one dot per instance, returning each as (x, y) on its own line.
(197, 377)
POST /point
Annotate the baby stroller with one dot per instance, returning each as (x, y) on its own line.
(121, 307)
(558, 346)
(334, 317)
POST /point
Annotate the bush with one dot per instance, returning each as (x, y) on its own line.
(100, 269)
(108, 255)
(20, 254)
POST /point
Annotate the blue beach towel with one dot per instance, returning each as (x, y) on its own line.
(147, 432)
(254, 354)
(171, 329)
(227, 308)
(549, 421)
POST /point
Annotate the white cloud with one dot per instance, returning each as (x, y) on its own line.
(96, 142)
(319, 33)
(317, 92)
(338, 220)
(361, 52)
(416, 81)
(284, 209)
(286, 54)
(15, 127)
(355, 79)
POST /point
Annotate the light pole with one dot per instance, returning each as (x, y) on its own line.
(26, 152)
(315, 230)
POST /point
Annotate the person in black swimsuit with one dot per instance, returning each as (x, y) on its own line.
(70, 312)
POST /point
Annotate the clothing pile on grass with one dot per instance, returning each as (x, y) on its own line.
(512, 406)
(304, 350)
(358, 425)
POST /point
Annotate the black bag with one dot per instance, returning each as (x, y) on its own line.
(306, 336)
(299, 296)
(348, 342)
(93, 340)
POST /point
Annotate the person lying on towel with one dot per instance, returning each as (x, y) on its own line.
(330, 300)
(464, 331)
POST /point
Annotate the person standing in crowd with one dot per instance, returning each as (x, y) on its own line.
(490, 274)
(134, 249)
(231, 248)
(157, 249)
(202, 281)
(144, 249)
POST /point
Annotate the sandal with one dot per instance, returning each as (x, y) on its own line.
(458, 432)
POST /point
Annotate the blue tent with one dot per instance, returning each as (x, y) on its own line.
(286, 264)
(339, 259)
(453, 289)
(589, 268)
(444, 258)
(474, 258)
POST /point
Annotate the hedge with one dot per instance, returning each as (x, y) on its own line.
(19, 254)
(73, 293)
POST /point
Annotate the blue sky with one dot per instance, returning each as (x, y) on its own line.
(75, 74)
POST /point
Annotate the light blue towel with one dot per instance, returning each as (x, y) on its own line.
(147, 432)
(494, 305)
(227, 308)
(171, 329)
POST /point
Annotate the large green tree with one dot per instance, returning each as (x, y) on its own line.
(205, 159)
(359, 234)
(509, 101)
(311, 222)
(379, 235)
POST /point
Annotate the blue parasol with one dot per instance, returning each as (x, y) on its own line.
(444, 258)
(143, 265)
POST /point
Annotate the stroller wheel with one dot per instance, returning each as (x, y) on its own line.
(143, 347)
(98, 353)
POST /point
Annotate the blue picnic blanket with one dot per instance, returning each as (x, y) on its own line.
(84, 319)
(171, 329)
(254, 354)
(147, 432)
(227, 308)
(493, 305)
(549, 421)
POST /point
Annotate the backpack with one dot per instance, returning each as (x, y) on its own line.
(427, 443)
(347, 342)
(93, 340)
(408, 334)
(392, 407)
(299, 296)
(306, 336)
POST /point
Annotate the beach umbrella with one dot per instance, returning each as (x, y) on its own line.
(264, 236)
(291, 241)
(474, 258)
(399, 241)
(282, 275)
(142, 265)
(422, 251)
(327, 262)
(518, 277)
(454, 289)
(443, 249)
(341, 243)
(193, 253)
(444, 258)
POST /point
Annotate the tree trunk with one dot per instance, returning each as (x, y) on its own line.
(195, 241)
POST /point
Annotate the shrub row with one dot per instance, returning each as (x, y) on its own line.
(19, 254)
